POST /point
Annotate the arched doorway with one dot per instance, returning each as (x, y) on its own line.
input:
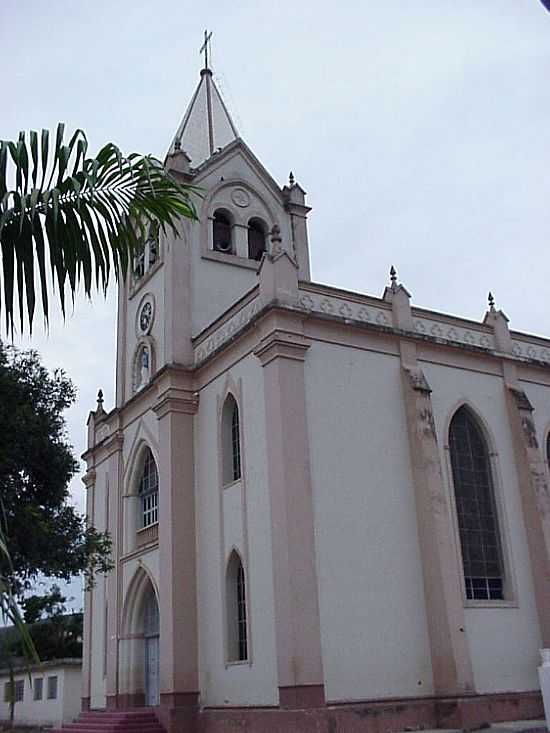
(139, 676)
(151, 651)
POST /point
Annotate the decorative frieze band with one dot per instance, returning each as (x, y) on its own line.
(356, 310)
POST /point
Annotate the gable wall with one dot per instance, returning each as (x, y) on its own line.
(217, 285)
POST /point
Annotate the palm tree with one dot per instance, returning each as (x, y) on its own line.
(84, 217)
(87, 216)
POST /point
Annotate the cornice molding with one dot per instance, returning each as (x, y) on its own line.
(176, 400)
(89, 478)
(281, 344)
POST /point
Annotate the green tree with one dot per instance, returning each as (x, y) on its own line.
(56, 633)
(81, 217)
(45, 534)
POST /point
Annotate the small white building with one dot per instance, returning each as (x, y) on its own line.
(326, 506)
(47, 694)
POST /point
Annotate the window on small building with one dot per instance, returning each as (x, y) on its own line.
(148, 491)
(38, 685)
(19, 690)
(476, 509)
(237, 631)
(222, 232)
(52, 688)
(256, 239)
(7, 691)
(231, 441)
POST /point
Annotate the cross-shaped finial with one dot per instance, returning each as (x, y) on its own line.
(393, 277)
(205, 46)
(491, 301)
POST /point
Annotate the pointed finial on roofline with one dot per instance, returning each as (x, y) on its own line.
(291, 180)
(491, 301)
(99, 401)
(177, 144)
(393, 278)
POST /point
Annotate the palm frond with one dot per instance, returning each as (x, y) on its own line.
(9, 610)
(85, 217)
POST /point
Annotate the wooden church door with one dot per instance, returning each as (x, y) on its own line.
(151, 634)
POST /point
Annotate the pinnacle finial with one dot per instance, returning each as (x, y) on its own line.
(100, 400)
(177, 144)
(491, 301)
(393, 277)
(291, 179)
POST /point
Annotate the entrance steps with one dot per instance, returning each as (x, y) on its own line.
(141, 720)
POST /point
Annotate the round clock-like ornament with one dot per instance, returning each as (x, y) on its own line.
(145, 318)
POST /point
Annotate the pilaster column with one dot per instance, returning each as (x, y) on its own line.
(89, 482)
(112, 595)
(451, 663)
(534, 492)
(282, 351)
(179, 682)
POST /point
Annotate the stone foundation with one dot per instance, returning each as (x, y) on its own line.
(376, 717)
(180, 713)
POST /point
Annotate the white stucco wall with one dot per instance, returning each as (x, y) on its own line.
(63, 709)
(373, 622)
(254, 682)
(503, 641)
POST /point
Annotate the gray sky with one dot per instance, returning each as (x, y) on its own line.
(420, 130)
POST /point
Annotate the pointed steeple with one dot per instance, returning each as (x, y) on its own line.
(207, 125)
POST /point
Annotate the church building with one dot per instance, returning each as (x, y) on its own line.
(329, 510)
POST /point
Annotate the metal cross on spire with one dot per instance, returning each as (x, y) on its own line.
(204, 47)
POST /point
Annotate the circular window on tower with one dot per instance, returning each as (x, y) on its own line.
(145, 315)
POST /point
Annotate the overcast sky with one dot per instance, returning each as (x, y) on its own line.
(419, 129)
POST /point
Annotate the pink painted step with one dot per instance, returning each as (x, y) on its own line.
(123, 721)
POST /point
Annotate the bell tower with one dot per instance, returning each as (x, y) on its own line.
(181, 283)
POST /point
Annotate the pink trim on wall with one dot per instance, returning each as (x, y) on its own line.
(297, 622)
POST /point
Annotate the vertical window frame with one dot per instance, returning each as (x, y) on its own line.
(510, 584)
(52, 687)
(38, 689)
(230, 440)
(19, 691)
(148, 491)
(237, 624)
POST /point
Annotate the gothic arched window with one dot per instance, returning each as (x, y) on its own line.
(148, 491)
(222, 232)
(256, 239)
(237, 631)
(231, 441)
(476, 508)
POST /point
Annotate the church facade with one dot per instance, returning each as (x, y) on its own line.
(329, 510)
